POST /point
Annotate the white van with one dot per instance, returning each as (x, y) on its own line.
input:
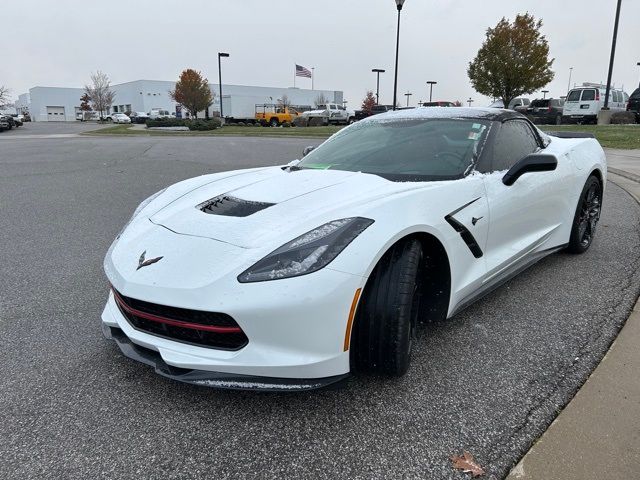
(583, 103)
(156, 113)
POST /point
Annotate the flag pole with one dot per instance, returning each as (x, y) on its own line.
(313, 75)
(294, 75)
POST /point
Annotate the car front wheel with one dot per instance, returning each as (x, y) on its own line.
(586, 217)
(386, 319)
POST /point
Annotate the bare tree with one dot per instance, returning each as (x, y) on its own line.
(100, 93)
(4, 96)
(321, 100)
(284, 101)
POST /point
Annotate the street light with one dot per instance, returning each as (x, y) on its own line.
(220, 55)
(544, 94)
(431, 83)
(639, 66)
(569, 84)
(470, 101)
(399, 4)
(611, 58)
(378, 71)
(408, 94)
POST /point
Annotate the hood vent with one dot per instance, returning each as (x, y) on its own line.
(232, 206)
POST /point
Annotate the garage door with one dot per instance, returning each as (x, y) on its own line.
(55, 114)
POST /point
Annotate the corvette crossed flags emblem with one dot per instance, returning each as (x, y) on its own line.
(144, 263)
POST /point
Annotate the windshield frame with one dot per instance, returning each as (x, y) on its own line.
(478, 161)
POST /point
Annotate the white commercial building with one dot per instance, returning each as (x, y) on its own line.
(63, 104)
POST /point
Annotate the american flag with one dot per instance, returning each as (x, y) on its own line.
(302, 72)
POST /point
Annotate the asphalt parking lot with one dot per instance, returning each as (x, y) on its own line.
(488, 381)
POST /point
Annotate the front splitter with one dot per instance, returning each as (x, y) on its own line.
(226, 381)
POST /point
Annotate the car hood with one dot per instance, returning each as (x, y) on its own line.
(251, 208)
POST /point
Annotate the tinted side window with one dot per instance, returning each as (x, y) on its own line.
(588, 95)
(514, 141)
(574, 96)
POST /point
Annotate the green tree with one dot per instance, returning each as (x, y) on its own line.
(192, 92)
(513, 60)
(368, 102)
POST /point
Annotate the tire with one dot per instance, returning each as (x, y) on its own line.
(587, 214)
(274, 122)
(386, 319)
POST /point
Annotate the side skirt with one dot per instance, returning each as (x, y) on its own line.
(504, 277)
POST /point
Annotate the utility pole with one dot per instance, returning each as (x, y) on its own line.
(408, 94)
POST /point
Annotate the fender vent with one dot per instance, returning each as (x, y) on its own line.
(232, 206)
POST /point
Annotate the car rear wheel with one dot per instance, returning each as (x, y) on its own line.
(386, 319)
(274, 122)
(586, 217)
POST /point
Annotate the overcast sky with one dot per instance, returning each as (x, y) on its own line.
(58, 43)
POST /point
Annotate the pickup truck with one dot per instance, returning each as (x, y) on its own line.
(331, 113)
(360, 114)
(274, 115)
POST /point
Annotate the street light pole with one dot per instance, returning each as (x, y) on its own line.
(569, 84)
(408, 94)
(470, 101)
(544, 94)
(613, 54)
(378, 71)
(431, 83)
(221, 54)
(399, 4)
(638, 82)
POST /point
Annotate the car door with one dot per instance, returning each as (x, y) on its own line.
(523, 216)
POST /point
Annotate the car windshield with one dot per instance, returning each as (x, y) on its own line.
(404, 149)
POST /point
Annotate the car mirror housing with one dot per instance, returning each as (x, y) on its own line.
(535, 162)
(308, 150)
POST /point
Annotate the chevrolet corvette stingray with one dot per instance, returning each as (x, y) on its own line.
(291, 277)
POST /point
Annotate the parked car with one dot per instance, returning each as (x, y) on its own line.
(139, 117)
(274, 115)
(584, 103)
(118, 118)
(360, 114)
(4, 123)
(302, 273)
(517, 104)
(332, 113)
(10, 121)
(633, 105)
(546, 111)
(156, 113)
(18, 118)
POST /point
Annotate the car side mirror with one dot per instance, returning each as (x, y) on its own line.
(535, 162)
(308, 150)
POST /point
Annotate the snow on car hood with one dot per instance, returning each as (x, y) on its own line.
(301, 200)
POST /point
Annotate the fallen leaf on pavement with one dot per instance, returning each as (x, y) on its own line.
(467, 464)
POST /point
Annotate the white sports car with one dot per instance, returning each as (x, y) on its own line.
(291, 277)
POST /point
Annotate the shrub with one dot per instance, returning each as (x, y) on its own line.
(240, 124)
(203, 125)
(167, 122)
(286, 124)
(623, 117)
(301, 121)
(316, 122)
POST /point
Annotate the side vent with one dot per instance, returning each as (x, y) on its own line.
(232, 206)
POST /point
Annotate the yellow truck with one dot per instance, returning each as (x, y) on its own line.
(274, 115)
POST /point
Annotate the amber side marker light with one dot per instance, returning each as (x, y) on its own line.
(352, 314)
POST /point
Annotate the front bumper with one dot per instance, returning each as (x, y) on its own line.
(215, 379)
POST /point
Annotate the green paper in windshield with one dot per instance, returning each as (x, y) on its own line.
(318, 166)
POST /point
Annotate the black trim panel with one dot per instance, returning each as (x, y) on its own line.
(464, 232)
(225, 381)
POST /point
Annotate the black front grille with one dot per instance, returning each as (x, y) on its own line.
(195, 327)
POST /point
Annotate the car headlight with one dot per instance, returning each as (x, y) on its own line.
(139, 208)
(308, 252)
